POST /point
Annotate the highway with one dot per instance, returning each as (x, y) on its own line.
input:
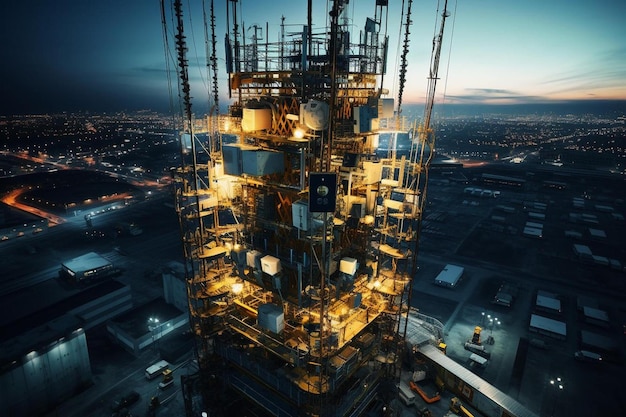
(11, 199)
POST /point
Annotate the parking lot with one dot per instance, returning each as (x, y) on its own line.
(468, 231)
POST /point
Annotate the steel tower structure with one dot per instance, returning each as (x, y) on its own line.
(300, 236)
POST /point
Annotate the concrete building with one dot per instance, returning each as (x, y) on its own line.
(145, 325)
(174, 287)
(548, 302)
(449, 276)
(549, 327)
(43, 366)
(44, 356)
(87, 267)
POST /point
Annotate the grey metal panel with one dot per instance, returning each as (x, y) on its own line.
(497, 397)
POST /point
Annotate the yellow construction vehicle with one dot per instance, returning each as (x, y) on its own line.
(456, 406)
(476, 335)
(168, 379)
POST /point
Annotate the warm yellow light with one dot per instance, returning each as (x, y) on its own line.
(298, 133)
(237, 288)
(377, 283)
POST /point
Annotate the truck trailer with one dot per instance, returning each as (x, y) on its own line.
(156, 369)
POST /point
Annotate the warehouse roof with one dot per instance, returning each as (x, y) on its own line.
(86, 262)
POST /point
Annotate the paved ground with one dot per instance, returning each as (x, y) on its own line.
(491, 255)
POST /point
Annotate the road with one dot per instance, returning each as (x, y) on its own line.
(11, 199)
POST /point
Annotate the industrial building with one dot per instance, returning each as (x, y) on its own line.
(87, 267)
(474, 390)
(598, 343)
(56, 367)
(43, 349)
(143, 326)
(595, 316)
(449, 276)
(547, 326)
(174, 286)
(548, 302)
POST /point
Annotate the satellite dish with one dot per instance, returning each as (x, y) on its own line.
(314, 115)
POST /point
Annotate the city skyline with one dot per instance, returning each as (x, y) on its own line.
(72, 55)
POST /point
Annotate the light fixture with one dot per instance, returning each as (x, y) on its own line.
(237, 288)
(298, 133)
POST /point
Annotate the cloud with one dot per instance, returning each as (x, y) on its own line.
(492, 96)
(150, 70)
(491, 91)
(605, 70)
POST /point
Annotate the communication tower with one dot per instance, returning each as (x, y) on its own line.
(300, 227)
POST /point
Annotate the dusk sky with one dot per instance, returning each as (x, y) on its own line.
(108, 55)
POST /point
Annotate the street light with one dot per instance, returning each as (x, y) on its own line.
(153, 324)
(494, 321)
(558, 385)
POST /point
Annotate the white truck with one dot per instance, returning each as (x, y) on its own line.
(156, 369)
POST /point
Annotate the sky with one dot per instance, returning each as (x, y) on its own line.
(108, 55)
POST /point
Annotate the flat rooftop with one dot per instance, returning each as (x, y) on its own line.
(135, 321)
(86, 262)
(49, 300)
